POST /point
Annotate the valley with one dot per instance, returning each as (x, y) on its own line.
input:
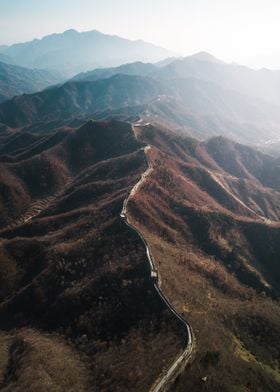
(193, 211)
(139, 219)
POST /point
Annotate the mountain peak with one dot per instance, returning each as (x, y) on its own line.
(70, 31)
(205, 56)
(92, 50)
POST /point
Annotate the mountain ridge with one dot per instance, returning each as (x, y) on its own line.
(93, 49)
(16, 80)
(74, 270)
(180, 101)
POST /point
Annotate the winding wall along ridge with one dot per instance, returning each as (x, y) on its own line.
(184, 358)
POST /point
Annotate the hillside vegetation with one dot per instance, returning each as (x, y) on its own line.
(210, 214)
(15, 80)
(74, 272)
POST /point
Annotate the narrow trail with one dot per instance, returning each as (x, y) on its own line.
(165, 380)
(34, 210)
(37, 207)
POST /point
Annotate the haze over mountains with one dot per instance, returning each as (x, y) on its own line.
(72, 52)
(15, 80)
(201, 94)
(262, 83)
(163, 139)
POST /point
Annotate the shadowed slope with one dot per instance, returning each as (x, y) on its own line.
(217, 253)
(77, 269)
(79, 99)
(16, 80)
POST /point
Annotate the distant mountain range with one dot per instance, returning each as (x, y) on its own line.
(79, 99)
(136, 68)
(72, 51)
(263, 84)
(126, 185)
(15, 80)
(199, 94)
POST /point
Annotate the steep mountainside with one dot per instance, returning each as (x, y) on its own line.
(75, 99)
(200, 108)
(6, 59)
(137, 68)
(16, 80)
(210, 214)
(73, 270)
(211, 97)
(263, 84)
(79, 277)
(91, 49)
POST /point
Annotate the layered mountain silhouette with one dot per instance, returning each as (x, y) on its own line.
(74, 99)
(263, 84)
(16, 80)
(92, 49)
(138, 68)
(79, 307)
(201, 107)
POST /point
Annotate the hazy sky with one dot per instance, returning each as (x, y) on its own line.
(230, 29)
